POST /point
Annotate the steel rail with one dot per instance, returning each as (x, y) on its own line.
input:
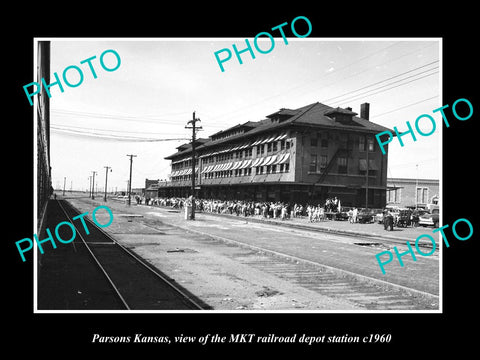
(98, 262)
(141, 262)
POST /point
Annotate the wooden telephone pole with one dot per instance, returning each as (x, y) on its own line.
(194, 130)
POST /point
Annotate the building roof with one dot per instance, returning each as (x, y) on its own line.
(312, 115)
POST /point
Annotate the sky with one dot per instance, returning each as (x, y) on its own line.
(161, 82)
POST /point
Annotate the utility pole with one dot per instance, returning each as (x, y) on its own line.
(130, 181)
(366, 174)
(416, 188)
(93, 184)
(106, 177)
(64, 180)
(194, 129)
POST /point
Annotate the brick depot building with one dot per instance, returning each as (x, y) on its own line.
(302, 155)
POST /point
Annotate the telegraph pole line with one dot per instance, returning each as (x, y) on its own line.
(93, 184)
(130, 181)
(194, 129)
(106, 177)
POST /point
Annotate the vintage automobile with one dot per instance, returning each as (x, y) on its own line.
(378, 217)
(403, 218)
(430, 219)
(365, 216)
(344, 214)
(416, 213)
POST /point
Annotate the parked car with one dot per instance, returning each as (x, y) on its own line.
(404, 218)
(344, 214)
(430, 219)
(378, 217)
(365, 216)
(416, 215)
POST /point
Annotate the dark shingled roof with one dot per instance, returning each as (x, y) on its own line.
(315, 115)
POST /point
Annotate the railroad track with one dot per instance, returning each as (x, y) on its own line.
(365, 292)
(137, 284)
(362, 291)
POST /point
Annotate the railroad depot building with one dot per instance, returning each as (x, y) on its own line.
(302, 155)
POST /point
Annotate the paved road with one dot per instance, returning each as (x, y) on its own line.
(338, 251)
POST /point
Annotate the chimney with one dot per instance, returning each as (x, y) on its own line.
(365, 111)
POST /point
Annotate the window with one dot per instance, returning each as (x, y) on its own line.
(361, 143)
(324, 143)
(313, 141)
(260, 150)
(274, 146)
(342, 165)
(422, 195)
(288, 144)
(269, 168)
(259, 170)
(371, 144)
(269, 147)
(274, 169)
(313, 163)
(287, 167)
(394, 196)
(323, 161)
(282, 144)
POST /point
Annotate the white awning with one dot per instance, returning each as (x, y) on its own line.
(229, 166)
(263, 160)
(270, 161)
(281, 159)
(257, 142)
(267, 140)
(256, 162)
(245, 164)
(236, 165)
(281, 137)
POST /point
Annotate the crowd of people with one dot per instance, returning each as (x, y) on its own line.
(266, 209)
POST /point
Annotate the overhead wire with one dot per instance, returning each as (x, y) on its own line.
(159, 120)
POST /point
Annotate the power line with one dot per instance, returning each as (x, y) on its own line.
(355, 97)
(73, 128)
(406, 106)
(324, 75)
(390, 78)
(111, 137)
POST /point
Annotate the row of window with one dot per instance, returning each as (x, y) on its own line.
(394, 196)
(346, 141)
(259, 170)
(261, 150)
(319, 163)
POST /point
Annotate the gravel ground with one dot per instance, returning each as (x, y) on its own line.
(211, 269)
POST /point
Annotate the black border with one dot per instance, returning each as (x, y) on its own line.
(411, 333)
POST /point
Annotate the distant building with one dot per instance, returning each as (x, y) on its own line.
(302, 155)
(404, 192)
(151, 188)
